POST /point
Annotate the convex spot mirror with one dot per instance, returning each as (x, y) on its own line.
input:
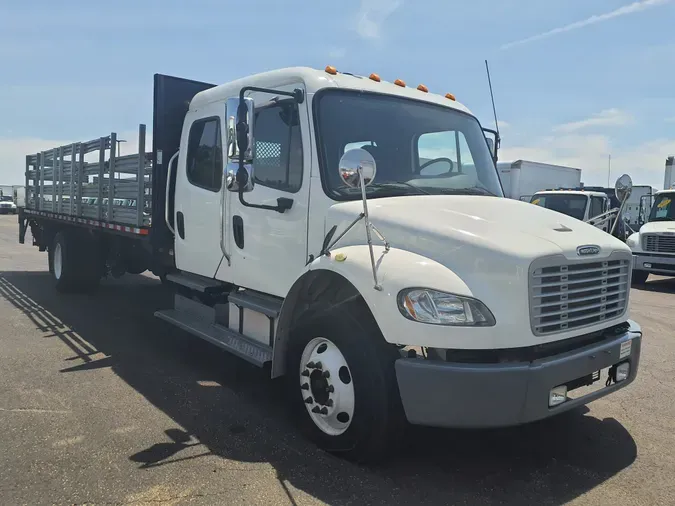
(623, 187)
(240, 135)
(357, 161)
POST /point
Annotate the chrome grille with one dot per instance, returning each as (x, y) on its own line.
(569, 295)
(658, 243)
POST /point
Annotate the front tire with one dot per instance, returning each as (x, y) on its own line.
(342, 386)
(639, 277)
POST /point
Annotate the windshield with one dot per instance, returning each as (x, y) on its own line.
(663, 210)
(571, 205)
(5, 198)
(419, 148)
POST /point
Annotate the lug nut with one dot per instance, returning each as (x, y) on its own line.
(305, 373)
(323, 411)
(318, 365)
(330, 389)
(316, 409)
(309, 400)
(329, 403)
(305, 386)
(326, 374)
(311, 365)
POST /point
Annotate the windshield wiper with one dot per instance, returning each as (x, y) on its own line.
(399, 186)
(476, 190)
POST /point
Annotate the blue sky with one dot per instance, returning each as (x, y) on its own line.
(575, 80)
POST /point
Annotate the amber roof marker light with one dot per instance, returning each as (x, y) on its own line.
(450, 96)
(400, 83)
(330, 70)
(423, 88)
(375, 77)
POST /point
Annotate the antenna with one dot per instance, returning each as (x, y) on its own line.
(494, 110)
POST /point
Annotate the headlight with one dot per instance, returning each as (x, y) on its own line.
(431, 306)
(633, 241)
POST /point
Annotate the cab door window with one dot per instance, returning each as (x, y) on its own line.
(278, 147)
(597, 207)
(205, 155)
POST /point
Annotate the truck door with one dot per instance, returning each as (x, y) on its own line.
(268, 249)
(199, 187)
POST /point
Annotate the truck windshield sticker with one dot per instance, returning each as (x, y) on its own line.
(662, 210)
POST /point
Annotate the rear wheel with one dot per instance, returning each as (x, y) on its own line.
(639, 277)
(343, 389)
(74, 264)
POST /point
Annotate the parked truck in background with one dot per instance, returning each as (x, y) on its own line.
(350, 234)
(601, 207)
(522, 179)
(653, 246)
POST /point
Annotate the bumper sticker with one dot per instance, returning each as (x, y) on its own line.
(625, 349)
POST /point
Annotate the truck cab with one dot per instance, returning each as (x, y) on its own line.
(579, 204)
(653, 246)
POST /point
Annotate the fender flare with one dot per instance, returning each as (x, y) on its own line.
(350, 266)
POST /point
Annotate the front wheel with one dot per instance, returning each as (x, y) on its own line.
(343, 389)
(639, 277)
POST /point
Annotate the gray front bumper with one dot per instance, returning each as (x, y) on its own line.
(659, 264)
(444, 394)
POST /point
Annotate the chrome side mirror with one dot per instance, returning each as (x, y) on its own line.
(357, 168)
(623, 187)
(240, 138)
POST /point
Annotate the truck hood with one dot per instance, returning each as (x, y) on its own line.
(454, 225)
(489, 243)
(658, 227)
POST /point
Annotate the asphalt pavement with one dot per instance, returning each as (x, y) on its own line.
(101, 403)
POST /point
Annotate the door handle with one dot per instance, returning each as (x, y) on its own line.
(180, 224)
(238, 231)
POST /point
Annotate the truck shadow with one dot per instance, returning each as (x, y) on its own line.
(658, 284)
(233, 410)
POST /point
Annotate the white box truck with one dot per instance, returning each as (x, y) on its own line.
(522, 179)
(351, 235)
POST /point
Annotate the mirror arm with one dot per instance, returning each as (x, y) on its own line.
(283, 204)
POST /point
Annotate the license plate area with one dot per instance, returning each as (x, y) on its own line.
(586, 385)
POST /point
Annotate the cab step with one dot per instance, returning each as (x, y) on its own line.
(196, 282)
(199, 320)
(265, 304)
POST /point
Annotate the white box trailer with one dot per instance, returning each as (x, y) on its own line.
(522, 179)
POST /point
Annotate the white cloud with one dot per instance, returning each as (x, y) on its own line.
(372, 14)
(503, 125)
(13, 152)
(608, 117)
(337, 53)
(635, 7)
(644, 162)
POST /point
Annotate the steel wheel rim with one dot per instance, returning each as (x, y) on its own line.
(58, 261)
(326, 386)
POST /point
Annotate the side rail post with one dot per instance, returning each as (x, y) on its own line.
(111, 176)
(140, 198)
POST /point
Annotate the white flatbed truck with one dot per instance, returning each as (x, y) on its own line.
(350, 234)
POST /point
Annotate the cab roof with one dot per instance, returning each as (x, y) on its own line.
(315, 80)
